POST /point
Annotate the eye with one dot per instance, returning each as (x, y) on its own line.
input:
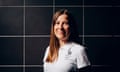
(57, 23)
(66, 23)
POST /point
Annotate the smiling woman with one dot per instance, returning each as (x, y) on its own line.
(64, 54)
(61, 28)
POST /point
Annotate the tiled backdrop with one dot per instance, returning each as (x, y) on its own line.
(25, 29)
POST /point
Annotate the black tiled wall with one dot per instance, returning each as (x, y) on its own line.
(25, 29)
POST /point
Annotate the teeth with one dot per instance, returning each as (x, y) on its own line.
(60, 31)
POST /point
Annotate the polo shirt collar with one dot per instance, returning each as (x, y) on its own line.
(66, 46)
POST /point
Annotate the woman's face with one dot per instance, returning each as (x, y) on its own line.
(61, 27)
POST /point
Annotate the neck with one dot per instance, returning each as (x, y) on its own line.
(62, 42)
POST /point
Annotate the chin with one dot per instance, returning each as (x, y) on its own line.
(62, 38)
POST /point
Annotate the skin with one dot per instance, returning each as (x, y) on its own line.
(61, 29)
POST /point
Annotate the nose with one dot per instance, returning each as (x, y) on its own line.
(61, 25)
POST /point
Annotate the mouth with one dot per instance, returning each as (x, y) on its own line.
(60, 32)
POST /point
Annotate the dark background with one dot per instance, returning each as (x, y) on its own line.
(25, 29)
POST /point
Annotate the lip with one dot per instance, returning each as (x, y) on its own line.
(60, 32)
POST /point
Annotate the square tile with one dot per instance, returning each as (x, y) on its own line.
(103, 50)
(11, 21)
(116, 20)
(99, 21)
(11, 51)
(38, 20)
(35, 50)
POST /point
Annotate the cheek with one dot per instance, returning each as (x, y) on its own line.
(67, 28)
(55, 30)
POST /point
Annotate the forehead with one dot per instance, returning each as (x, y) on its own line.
(62, 17)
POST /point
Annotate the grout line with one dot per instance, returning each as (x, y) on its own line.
(34, 65)
(42, 6)
(64, 5)
(53, 6)
(83, 39)
(101, 65)
(68, 6)
(117, 6)
(11, 6)
(24, 38)
(98, 6)
(42, 66)
(15, 36)
(11, 36)
(37, 35)
(11, 65)
(96, 36)
(116, 35)
(85, 5)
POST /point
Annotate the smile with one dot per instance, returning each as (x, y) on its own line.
(60, 31)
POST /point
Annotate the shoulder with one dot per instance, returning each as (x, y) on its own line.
(77, 48)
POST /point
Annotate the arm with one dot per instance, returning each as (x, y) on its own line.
(83, 63)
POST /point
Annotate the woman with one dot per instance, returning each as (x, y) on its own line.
(63, 53)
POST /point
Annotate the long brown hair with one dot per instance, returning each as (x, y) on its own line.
(54, 43)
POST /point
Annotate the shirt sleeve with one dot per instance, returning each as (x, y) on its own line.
(82, 59)
(46, 54)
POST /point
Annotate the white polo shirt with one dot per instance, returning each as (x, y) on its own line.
(71, 56)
